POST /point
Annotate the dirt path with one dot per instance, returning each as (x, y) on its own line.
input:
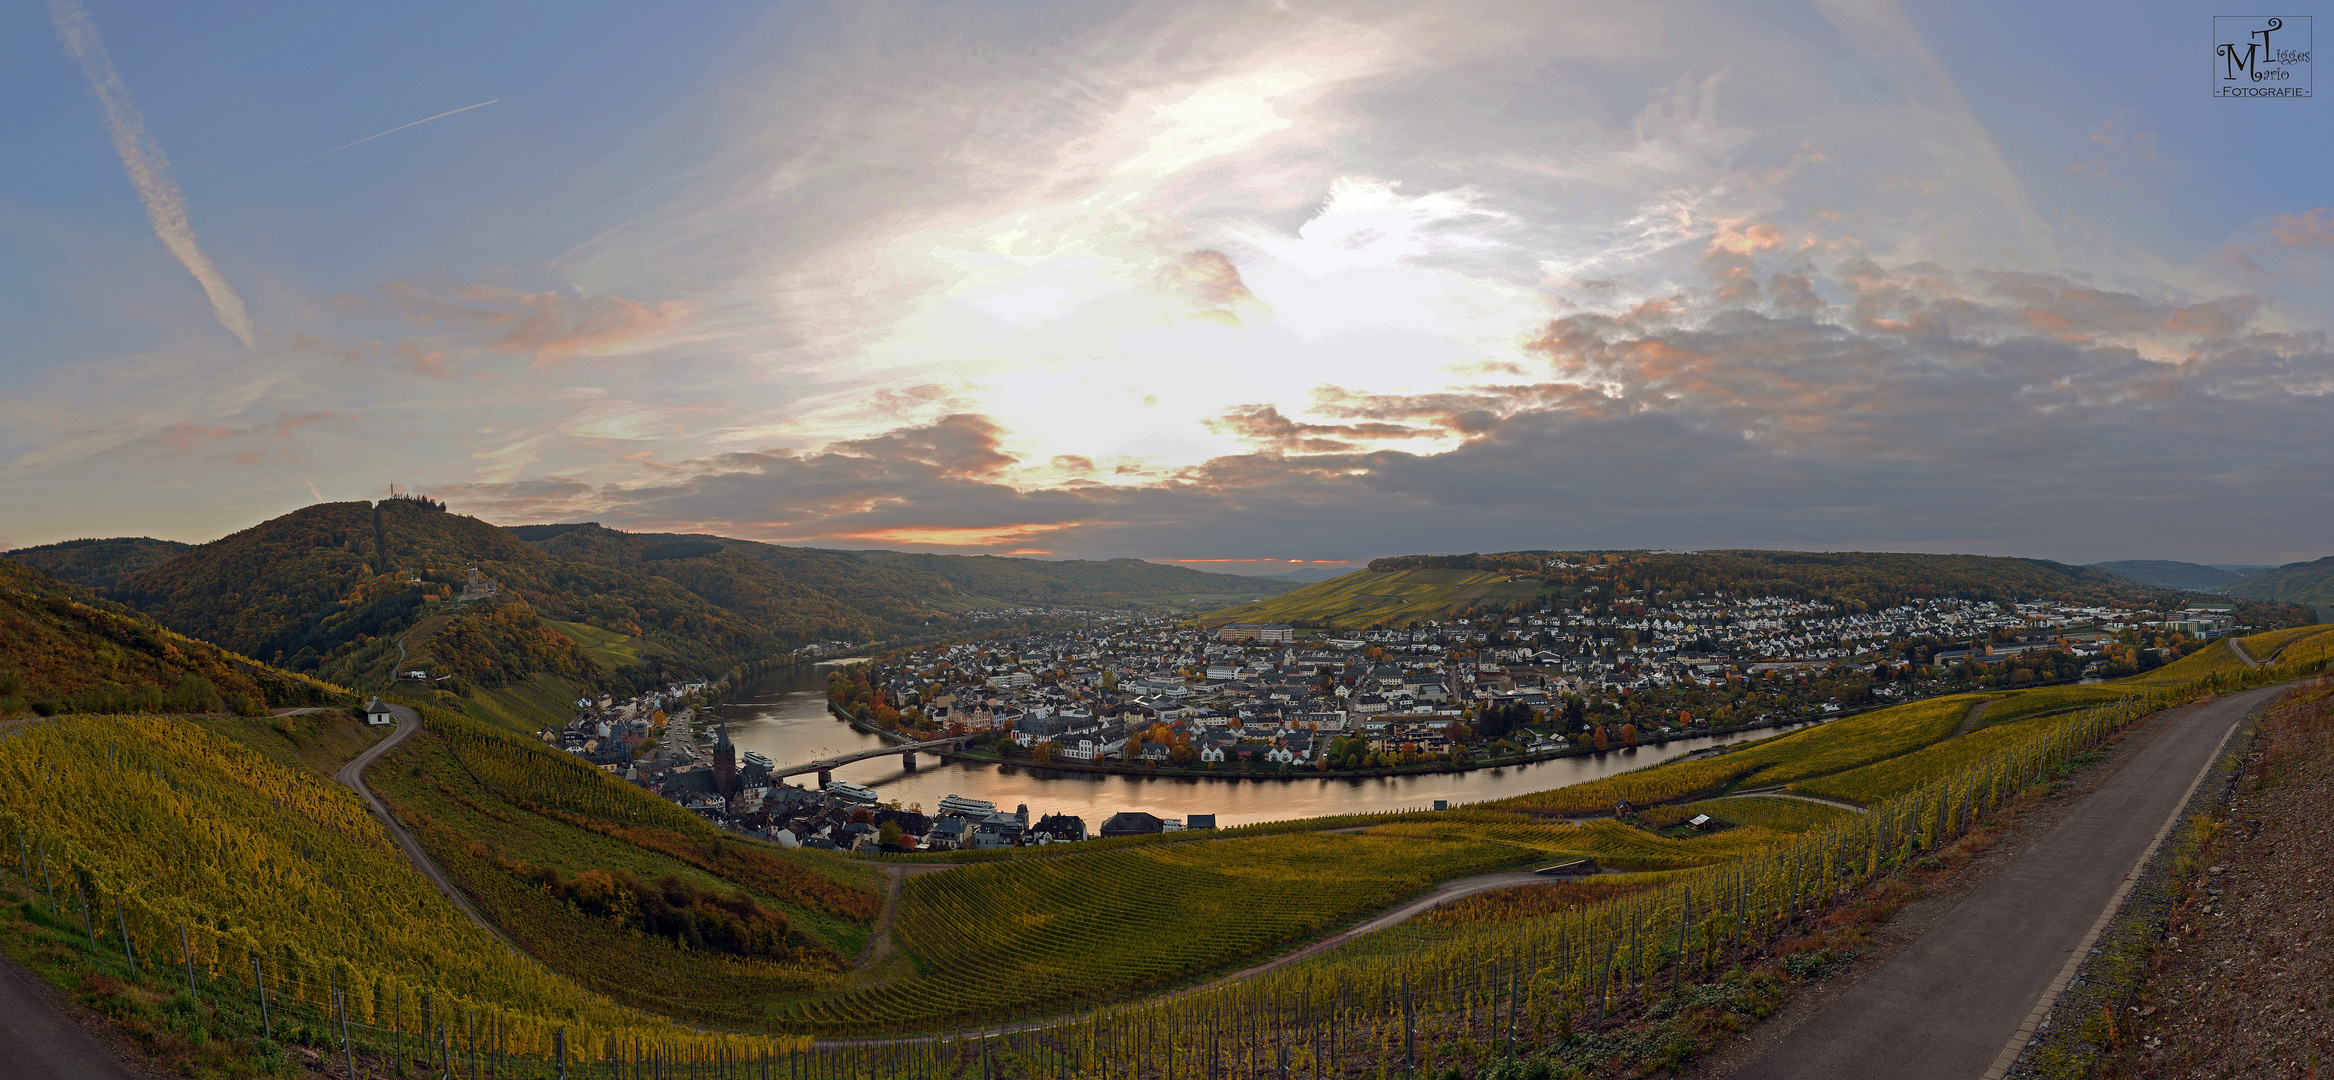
(1961, 1000)
(2237, 648)
(879, 942)
(1392, 917)
(352, 776)
(1779, 793)
(1969, 722)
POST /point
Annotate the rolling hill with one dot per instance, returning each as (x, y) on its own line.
(98, 564)
(349, 592)
(1367, 597)
(69, 651)
(2309, 583)
(2172, 575)
(1401, 589)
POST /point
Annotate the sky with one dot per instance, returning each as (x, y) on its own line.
(1249, 286)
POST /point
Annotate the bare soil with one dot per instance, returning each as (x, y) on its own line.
(2242, 984)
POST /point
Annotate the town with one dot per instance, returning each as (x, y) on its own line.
(1124, 692)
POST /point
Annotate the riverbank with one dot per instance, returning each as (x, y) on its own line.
(1245, 771)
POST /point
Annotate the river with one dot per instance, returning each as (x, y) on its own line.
(784, 714)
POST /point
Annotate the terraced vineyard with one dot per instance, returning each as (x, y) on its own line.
(2213, 659)
(1610, 842)
(1001, 939)
(2020, 704)
(1832, 747)
(220, 863)
(1766, 812)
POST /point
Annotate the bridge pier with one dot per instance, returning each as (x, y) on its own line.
(826, 776)
(908, 761)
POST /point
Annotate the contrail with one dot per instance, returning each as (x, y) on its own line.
(391, 131)
(149, 170)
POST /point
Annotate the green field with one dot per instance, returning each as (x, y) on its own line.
(1000, 939)
(542, 700)
(1364, 598)
(607, 648)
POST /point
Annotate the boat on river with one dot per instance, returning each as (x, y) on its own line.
(850, 792)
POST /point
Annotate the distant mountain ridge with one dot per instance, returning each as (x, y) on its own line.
(2165, 574)
(348, 591)
(2309, 583)
(98, 564)
(1405, 588)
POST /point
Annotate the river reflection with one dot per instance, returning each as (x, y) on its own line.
(783, 714)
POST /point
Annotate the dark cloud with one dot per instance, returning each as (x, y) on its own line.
(2006, 413)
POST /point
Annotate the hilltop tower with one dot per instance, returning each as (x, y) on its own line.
(724, 763)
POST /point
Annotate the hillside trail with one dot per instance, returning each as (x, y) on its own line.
(879, 942)
(352, 776)
(1444, 893)
(1963, 998)
(1969, 722)
(1779, 793)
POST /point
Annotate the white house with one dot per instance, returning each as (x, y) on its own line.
(378, 715)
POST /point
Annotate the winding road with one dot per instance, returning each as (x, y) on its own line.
(352, 776)
(1962, 1000)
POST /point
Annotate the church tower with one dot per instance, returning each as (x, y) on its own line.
(724, 764)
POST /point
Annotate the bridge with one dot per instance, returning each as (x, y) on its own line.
(825, 767)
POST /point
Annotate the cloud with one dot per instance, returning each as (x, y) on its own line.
(1963, 411)
(148, 169)
(2310, 228)
(554, 328)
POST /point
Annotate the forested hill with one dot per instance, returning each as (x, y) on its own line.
(98, 564)
(2309, 583)
(349, 590)
(1853, 578)
(69, 651)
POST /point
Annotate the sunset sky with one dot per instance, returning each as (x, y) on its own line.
(1237, 282)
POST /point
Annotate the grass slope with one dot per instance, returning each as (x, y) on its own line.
(478, 836)
(1021, 936)
(1367, 597)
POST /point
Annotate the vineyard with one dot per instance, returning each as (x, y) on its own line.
(508, 819)
(1529, 973)
(1017, 937)
(203, 865)
(1764, 811)
(1832, 747)
(1611, 843)
(170, 857)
